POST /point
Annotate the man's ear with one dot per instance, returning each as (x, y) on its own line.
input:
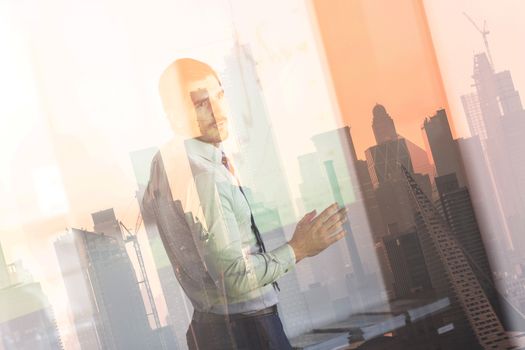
(184, 125)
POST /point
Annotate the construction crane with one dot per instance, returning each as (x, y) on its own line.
(484, 33)
(144, 276)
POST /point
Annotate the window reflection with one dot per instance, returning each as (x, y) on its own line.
(355, 103)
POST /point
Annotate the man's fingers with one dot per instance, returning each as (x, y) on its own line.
(335, 228)
(332, 223)
(325, 214)
(335, 231)
(339, 216)
(336, 237)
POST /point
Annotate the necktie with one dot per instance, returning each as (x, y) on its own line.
(262, 249)
(258, 238)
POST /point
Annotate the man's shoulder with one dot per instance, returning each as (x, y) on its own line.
(157, 180)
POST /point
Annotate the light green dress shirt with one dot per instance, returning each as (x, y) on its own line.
(242, 276)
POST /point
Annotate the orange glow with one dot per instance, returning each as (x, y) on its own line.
(380, 51)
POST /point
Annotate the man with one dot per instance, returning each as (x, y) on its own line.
(207, 226)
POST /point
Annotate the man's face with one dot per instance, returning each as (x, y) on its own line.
(207, 96)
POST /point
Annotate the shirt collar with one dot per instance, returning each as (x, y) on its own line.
(205, 150)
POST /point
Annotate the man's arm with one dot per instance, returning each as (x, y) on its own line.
(241, 271)
(238, 270)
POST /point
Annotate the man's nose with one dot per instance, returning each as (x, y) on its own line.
(217, 109)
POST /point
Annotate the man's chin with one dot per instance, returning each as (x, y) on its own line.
(223, 135)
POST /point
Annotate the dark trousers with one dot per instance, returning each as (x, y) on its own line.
(248, 333)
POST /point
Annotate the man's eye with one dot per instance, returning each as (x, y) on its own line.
(203, 103)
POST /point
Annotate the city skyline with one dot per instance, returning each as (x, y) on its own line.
(355, 159)
(109, 227)
(63, 122)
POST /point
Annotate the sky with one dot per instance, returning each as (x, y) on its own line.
(380, 52)
(79, 87)
(456, 41)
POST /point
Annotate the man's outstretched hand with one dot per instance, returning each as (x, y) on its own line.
(314, 234)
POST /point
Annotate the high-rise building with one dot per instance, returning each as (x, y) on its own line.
(73, 261)
(513, 124)
(486, 90)
(496, 115)
(179, 307)
(383, 161)
(371, 204)
(456, 208)
(27, 321)
(349, 271)
(344, 178)
(257, 160)
(383, 125)
(471, 321)
(443, 148)
(495, 97)
(106, 222)
(316, 193)
(103, 292)
(474, 116)
(4, 274)
(485, 200)
(314, 186)
(337, 157)
(406, 260)
(383, 165)
(420, 160)
(394, 213)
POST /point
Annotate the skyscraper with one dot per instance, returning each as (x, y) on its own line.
(451, 275)
(406, 260)
(4, 275)
(343, 176)
(179, 307)
(370, 202)
(316, 193)
(106, 222)
(383, 162)
(26, 320)
(337, 157)
(314, 187)
(456, 208)
(487, 96)
(26, 317)
(384, 159)
(495, 113)
(495, 97)
(383, 125)
(420, 160)
(474, 116)
(443, 148)
(258, 162)
(485, 199)
(103, 291)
